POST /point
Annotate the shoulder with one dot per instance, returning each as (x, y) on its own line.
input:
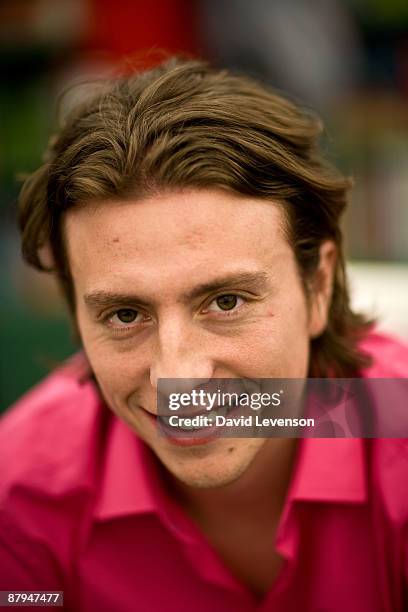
(388, 475)
(389, 456)
(48, 438)
(389, 356)
(49, 464)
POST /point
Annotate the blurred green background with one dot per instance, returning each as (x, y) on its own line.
(346, 59)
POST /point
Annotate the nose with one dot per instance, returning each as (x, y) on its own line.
(181, 351)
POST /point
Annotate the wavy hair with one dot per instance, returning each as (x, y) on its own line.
(183, 124)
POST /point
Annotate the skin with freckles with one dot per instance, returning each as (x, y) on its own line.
(191, 284)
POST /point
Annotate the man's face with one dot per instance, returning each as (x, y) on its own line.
(193, 284)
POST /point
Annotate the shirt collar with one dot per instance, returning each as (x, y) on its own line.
(326, 470)
(132, 484)
(129, 480)
(330, 470)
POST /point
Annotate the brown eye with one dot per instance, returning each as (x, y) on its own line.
(126, 315)
(227, 302)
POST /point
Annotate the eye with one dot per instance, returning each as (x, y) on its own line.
(125, 317)
(225, 303)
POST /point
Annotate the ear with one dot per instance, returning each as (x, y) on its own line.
(46, 256)
(321, 287)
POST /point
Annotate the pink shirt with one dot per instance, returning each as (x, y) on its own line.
(82, 510)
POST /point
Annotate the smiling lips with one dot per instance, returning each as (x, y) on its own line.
(179, 435)
(201, 436)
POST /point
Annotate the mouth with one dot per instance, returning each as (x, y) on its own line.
(181, 437)
(199, 427)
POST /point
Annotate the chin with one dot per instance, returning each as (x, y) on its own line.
(219, 469)
(206, 480)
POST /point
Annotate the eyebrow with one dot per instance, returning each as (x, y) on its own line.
(251, 281)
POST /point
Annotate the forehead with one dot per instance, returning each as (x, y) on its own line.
(187, 233)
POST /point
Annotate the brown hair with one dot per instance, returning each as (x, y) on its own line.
(184, 124)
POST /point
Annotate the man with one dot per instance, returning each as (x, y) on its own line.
(194, 228)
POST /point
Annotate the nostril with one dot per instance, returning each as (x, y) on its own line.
(186, 373)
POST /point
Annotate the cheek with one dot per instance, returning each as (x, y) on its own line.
(117, 383)
(118, 373)
(276, 354)
(279, 345)
(116, 368)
